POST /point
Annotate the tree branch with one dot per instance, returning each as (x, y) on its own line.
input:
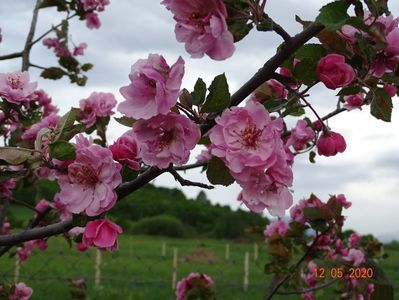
(191, 166)
(11, 56)
(319, 287)
(185, 182)
(29, 38)
(281, 32)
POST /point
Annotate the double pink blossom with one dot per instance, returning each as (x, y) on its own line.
(92, 20)
(102, 234)
(191, 281)
(334, 72)
(89, 184)
(96, 105)
(125, 150)
(49, 122)
(354, 101)
(154, 87)
(16, 88)
(166, 139)
(355, 256)
(330, 143)
(278, 227)
(202, 26)
(301, 134)
(21, 292)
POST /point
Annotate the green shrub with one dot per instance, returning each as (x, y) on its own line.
(160, 225)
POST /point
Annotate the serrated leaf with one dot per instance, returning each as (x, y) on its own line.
(381, 105)
(66, 122)
(333, 15)
(17, 156)
(218, 173)
(126, 121)
(62, 150)
(199, 92)
(86, 67)
(310, 51)
(350, 90)
(53, 73)
(219, 96)
(186, 99)
(305, 71)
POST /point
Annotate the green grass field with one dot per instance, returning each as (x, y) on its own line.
(138, 271)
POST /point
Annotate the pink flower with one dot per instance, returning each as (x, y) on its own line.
(21, 292)
(390, 89)
(308, 296)
(301, 134)
(23, 253)
(41, 244)
(246, 137)
(16, 88)
(94, 4)
(204, 156)
(81, 247)
(50, 121)
(125, 150)
(201, 25)
(97, 105)
(154, 87)
(166, 139)
(89, 185)
(60, 49)
(334, 72)
(61, 208)
(278, 88)
(310, 276)
(6, 227)
(278, 227)
(354, 240)
(329, 144)
(342, 199)
(92, 20)
(102, 234)
(79, 50)
(45, 101)
(355, 256)
(42, 205)
(191, 281)
(354, 101)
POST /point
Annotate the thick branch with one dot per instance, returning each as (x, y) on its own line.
(29, 38)
(185, 182)
(11, 56)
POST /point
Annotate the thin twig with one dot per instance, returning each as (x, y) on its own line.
(190, 166)
(319, 287)
(185, 182)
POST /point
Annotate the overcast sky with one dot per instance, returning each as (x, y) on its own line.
(367, 172)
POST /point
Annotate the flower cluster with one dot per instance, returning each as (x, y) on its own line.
(91, 8)
(195, 285)
(249, 142)
(201, 25)
(26, 250)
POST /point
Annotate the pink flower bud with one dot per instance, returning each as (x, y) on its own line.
(390, 89)
(334, 72)
(354, 101)
(330, 144)
(102, 234)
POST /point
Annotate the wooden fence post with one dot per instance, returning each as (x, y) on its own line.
(174, 268)
(17, 269)
(97, 277)
(246, 270)
(227, 252)
(256, 251)
(163, 250)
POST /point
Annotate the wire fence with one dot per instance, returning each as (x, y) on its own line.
(142, 268)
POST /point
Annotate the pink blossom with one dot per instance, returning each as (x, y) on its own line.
(58, 205)
(79, 50)
(60, 49)
(166, 139)
(202, 26)
(6, 186)
(354, 240)
(81, 247)
(204, 156)
(191, 281)
(308, 296)
(329, 144)
(16, 88)
(154, 87)
(278, 88)
(354, 101)
(50, 121)
(301, 134)
(246, 137)
(41, 244)
(125, 150)
(278, 227)
(23, 253)
(102, 234)
(310, 276)
(94, 4)
(334, 72)
(390, 89)
(6, 227)
(89, 185)
(45, 101)
(342, 199)
(355, 256)
(97, 105)
(296, 212)
(92, 20)
(42, 205)
(21, 292)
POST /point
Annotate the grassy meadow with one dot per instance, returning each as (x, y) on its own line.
(139, 272)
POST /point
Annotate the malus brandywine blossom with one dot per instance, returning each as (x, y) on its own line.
(21, 292)
(154, 87)
(97, 105)
(102, 234)
(202, 26)
(125, 150)
(334, 72)
(16, 88)
(190, 282)
(89, 184)
(330, 143)
(166, 139)
(48, 122)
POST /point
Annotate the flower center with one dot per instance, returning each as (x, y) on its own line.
(152, 83)
(82, 174)
(250, 136)
(14, 81)
(165, 138)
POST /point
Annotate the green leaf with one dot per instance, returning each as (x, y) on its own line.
(53, 73)
(5, 175)
(87, 67)
(218, 173)
(17, 156)
(381, 105)
(275, 104)
(199, 92)
(219, 96)
(334, 15)
(305, 71)
(366, 48)
(311, 51)
(312, 213)
(66, 122)
(205, 140)
(239, 30)
(62, 150)
(350, 90)
(186, 99)
(265, 25)
(312, 156)
(128, 174)
(68, 62)
(79, 220)
(60, 4)
(126, 121)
